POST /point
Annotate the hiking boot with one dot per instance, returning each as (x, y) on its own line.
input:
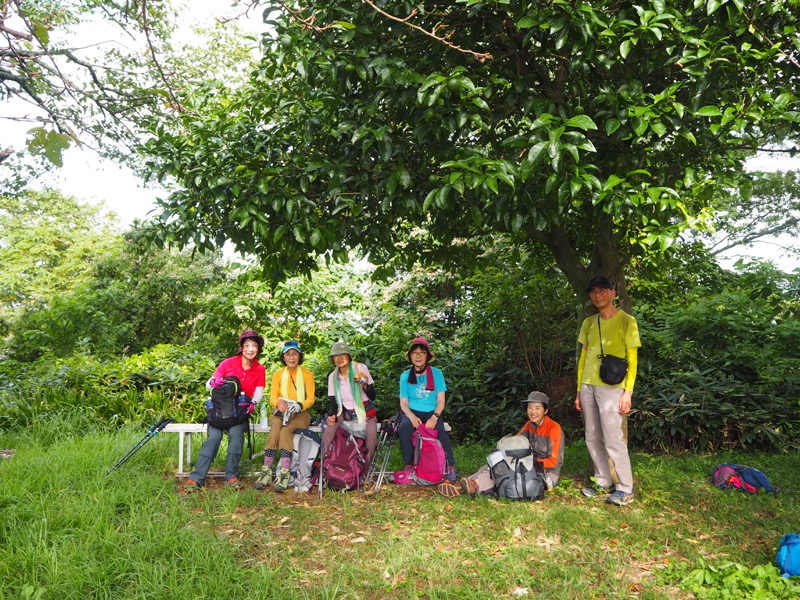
(233, 484)
(450, 474)
(620, 498)
(469, 486)
(191, 486)
(448, 490)
(267, 475)
(591, 492)
(281, 481)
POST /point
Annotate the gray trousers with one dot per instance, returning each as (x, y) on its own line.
(604, 436)
(210, 447)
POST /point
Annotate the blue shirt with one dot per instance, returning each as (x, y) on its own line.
(420, 399)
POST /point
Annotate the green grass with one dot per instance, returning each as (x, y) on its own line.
(68, 531)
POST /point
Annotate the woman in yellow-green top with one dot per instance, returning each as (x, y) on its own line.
(291, 396)
(604, 406)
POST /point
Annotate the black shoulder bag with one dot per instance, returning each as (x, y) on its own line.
(613, 369)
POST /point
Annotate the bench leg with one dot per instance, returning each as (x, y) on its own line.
(180, 452)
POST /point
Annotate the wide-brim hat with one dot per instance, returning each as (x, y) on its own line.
(420, 341)
(536, 397)
(250, 335)
(340, 348)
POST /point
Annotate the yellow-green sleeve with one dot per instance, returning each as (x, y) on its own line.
(630, 378)
(581, 366)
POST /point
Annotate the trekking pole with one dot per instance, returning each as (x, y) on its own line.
(151, 433)
(388, 437)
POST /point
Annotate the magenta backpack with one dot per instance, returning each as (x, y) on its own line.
(430, 464)
(345, 461)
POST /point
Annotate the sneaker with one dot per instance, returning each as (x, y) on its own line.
(448, 490)
(591, 492)
(281, 481)
(469, 486)
(620, 498)
(191, 486)
(450, 474)
(233, 484)
(267, 475)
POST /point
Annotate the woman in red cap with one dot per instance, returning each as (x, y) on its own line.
(252, 377)
(422, 400)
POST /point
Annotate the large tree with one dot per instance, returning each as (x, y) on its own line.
(410, 129)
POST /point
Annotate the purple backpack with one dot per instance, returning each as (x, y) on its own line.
(430, 464)
(345, 461)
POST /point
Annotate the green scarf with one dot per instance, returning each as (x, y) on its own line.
(355, 389)
(299, 385)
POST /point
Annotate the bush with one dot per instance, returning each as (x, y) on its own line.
(722, 372)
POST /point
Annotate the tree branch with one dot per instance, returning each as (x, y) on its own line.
(481, 56)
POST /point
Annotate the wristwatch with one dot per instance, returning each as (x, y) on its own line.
(437, 415)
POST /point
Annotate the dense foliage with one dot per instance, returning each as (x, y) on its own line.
(717, 369)
(720, 369)
(96, 322)
(598, 129)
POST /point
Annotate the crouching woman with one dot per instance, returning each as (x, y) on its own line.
(546, 440)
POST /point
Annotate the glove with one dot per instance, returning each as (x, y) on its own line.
(251, 407)
(216, 382)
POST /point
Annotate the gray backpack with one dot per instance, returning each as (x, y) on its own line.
(305, 459)
(515, 472)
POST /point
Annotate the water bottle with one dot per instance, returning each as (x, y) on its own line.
(264, 417)
(209, 405)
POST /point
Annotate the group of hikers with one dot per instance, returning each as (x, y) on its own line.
(606, 376)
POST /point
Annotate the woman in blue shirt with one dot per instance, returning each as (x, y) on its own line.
(422, 400)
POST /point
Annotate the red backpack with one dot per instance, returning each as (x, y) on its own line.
(430, 463)
(344, 465)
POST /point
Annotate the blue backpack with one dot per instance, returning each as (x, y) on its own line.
(788, 556)
(729, 476)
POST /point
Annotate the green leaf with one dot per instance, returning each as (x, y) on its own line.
(480, 103)
(41, 32)
(581, 122)
(537, 153)
(709, 111)
(612, 181)
(612, 125)
(426, 205)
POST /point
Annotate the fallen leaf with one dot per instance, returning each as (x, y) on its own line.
(520, 592)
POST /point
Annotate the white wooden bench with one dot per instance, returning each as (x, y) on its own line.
(185, 441)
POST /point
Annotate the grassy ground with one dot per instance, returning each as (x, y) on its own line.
(68, 531)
